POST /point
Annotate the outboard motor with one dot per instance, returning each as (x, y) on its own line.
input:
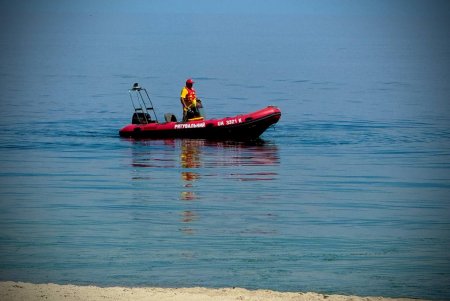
(141, 118)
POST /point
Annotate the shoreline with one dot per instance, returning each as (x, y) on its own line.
(12, 291)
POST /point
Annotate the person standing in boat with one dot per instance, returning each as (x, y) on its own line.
(190, 102)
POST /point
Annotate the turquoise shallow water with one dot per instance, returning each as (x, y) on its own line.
(348, 193)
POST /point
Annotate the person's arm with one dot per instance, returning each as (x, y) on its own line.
(183, 98)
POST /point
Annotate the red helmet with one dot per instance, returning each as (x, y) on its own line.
(189, 81)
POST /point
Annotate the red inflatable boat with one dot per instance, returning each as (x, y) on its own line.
(241, 127)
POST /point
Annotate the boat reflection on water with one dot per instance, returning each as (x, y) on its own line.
(201, 163)
(189, 159)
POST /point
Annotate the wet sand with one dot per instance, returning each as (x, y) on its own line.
(12, 291)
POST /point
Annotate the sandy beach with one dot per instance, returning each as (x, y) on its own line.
(12, 291)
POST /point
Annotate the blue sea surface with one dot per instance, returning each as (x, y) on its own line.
(349, 193)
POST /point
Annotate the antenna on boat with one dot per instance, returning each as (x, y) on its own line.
(142, 105)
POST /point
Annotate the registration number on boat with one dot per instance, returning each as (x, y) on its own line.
(229, 121)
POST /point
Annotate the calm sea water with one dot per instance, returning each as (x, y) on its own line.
(349, 193)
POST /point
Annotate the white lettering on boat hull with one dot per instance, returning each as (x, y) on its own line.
(189, 125)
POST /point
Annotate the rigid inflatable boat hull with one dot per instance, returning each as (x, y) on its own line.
(240, 127)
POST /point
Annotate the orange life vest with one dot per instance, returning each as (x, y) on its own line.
(191, 97)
